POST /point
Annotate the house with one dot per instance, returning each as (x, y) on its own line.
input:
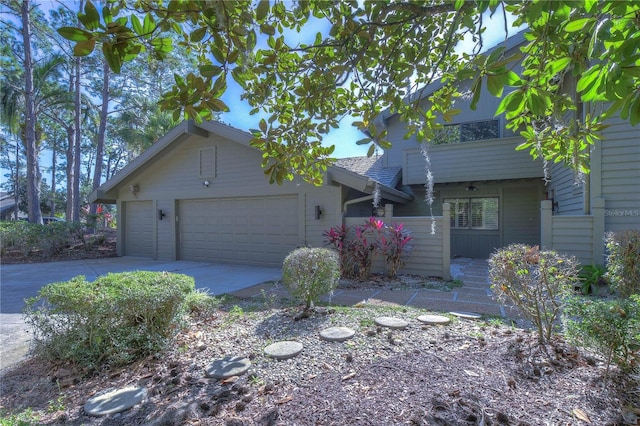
(199, 194)
(497, 195)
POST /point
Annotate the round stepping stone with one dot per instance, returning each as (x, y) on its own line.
(391, 322)
(337, 334)
(434, 319)
(284, 350)
(114, 401)
(228, 367)
(467, 315)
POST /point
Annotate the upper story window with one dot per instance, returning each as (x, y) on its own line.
(466, 132)
(474, 213)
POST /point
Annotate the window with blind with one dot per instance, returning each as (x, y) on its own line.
(474, 213)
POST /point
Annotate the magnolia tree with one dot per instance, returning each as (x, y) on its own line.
(308, 64)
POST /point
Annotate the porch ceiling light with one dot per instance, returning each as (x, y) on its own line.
(471, 187)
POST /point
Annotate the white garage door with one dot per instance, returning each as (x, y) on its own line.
(248, 231)
(138, 230)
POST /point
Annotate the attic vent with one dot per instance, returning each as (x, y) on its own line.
(208, 162)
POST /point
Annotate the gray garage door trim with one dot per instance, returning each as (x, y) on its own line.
(138, 229)
(241, 230)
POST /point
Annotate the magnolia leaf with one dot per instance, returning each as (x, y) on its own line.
(371, 151)
(262, 10)
(114, 61)
(577, 25)
(91, 17)
(107, 16)
(83, 48)
(495, 85)
(149, 24)
(267, 29)
(75, 34)
(137, 25)
(263, 125)
(198, 34)
(476, 93)
(209, 70)
(217, 105)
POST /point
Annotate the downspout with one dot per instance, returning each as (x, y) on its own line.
(354, 201)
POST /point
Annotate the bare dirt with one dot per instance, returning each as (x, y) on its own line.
(467, 373)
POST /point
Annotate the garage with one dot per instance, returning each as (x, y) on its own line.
(138, 228)
(257, 231)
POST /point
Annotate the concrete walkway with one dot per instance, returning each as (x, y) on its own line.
(473, 296)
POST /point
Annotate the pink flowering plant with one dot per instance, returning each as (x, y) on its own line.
(357, 247)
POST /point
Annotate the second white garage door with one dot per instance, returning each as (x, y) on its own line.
(248, 231)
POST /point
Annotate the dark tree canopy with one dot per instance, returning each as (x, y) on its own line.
(378, 55)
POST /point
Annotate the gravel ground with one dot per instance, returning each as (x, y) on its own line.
(465, 373)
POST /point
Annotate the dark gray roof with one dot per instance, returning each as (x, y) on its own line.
(372, 168)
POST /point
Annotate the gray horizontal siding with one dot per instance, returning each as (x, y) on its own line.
(480, 160)
(574, 235)
(620, 159)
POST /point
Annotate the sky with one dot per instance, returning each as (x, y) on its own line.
(346, 135)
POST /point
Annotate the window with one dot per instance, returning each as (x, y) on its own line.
(474, 213)
(466, 132)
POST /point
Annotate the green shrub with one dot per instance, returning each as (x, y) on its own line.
(623, 262)
(114, 320)
(44, 239)
(308, 273)
(591, 278)
(610, 327)
(535, 281)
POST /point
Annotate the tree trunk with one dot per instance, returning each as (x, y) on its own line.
(70, 161)
(33, 189)
(77, 143)
(16, 183)
(104, 111)
(54, 164)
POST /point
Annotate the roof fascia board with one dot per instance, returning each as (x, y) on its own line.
(366, 185)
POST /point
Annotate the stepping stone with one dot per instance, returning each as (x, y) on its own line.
(337, 334)
(114, 401)
(391, 322)
(228, 367)
(434, 319)
(467, 315)
(283, 350)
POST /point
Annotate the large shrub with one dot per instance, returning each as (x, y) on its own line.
(610, 327)
(623, 262)
(309, 273)
(114, 320)
(535, 281)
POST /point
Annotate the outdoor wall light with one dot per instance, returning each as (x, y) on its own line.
(318, 212)
(206, 183)
(550, 195)
(161, 214)
(134, 189)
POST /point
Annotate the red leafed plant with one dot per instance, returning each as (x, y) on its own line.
(394, 246)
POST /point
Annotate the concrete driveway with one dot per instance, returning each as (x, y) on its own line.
(19, 282)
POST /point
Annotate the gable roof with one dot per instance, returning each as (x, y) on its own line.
(363, 175)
